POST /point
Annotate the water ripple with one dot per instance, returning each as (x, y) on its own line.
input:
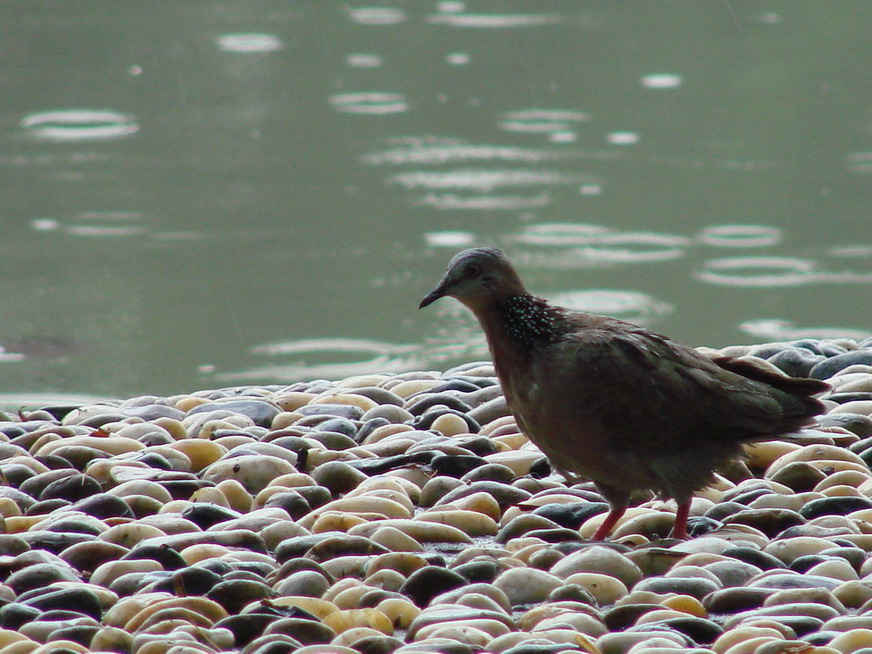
(485, 180)
(586, 245)
(352, 356)
(740, 236)
(448, 151)
(494, 21)
(638, 308)
(374, 103)
(377, 15)
(79, 124)
(772, 272)
(538, 121)
(451, 202)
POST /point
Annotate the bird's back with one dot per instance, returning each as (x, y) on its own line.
(630, 401)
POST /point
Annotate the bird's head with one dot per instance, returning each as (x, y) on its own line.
(477, 277)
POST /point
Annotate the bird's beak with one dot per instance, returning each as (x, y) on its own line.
(435, 294)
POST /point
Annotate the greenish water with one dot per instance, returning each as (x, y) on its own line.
(213, 193)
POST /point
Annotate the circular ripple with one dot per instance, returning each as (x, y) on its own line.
(79, 124)
(758, 271)
(740, 236)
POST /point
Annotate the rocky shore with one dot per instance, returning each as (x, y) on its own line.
(406, 513)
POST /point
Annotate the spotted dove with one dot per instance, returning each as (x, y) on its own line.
(614, 403)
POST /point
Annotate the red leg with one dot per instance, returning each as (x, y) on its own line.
(608, 524)
(680, 528)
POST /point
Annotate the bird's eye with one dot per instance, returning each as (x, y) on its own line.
(472, 271)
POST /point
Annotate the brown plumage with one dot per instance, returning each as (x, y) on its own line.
(614, 403)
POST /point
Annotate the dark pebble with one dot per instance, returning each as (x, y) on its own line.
(426, 583)
(245, 627)
(853, 422)
(455, 465)
(261, 413)
(272, 645)
(234, 595)
(291, 501)
(308, 631)
(44, 507)
(755, 557)
(699, 630)
(479, 571)
(16, 614)
(16, 473)
(504, 494)
(622, 617)
(205, 514)
(786, 580)
(377, 644)
(81, 634)
(79, 456)
(521, 524)
(53, 541)
(34, 486)
(87, 557)
(731, 600)
(839, 505)
(80, 600)
(12, 545)
(104, 505)
(571, 514)
(796, 362)
(436, 400)
(770, 521)
(38, 576)
(188, 581)
(799, 476)
(829, 367)
(336, 546)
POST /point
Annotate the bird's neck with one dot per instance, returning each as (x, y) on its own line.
(523, 322)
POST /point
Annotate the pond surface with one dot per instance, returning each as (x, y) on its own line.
(206, 194)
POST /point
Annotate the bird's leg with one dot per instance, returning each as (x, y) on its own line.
(608, 524)
(680, 528)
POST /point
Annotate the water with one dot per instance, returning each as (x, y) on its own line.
(202, 194)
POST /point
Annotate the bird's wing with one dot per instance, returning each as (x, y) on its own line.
(647, 392)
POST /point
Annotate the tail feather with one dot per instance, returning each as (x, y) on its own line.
(801, 390)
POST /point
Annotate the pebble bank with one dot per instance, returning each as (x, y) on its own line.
(406, 513)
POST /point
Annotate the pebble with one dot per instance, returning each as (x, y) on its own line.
(408, 513)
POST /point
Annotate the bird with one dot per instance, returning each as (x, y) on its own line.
(611, 402)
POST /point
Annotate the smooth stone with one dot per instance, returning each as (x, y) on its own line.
(829, 367)
(80, 600)
(39, 575)
(697, 587)
(770, 521)
(54, 542)
(247, 626)
(347, 411)
(426, 583)
(601, 559)
(103, 505)
(834, 506)
(526, 585)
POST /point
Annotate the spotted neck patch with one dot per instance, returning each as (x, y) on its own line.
(529, 321)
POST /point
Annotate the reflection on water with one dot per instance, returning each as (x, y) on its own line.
(377, 15)
(350, 356)
(784, 330)
(449, 239)
(537, 121)
(79, 124)
(494, 21)
(373, 103)
(662, 81)
(441, 151)
(245, 43)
